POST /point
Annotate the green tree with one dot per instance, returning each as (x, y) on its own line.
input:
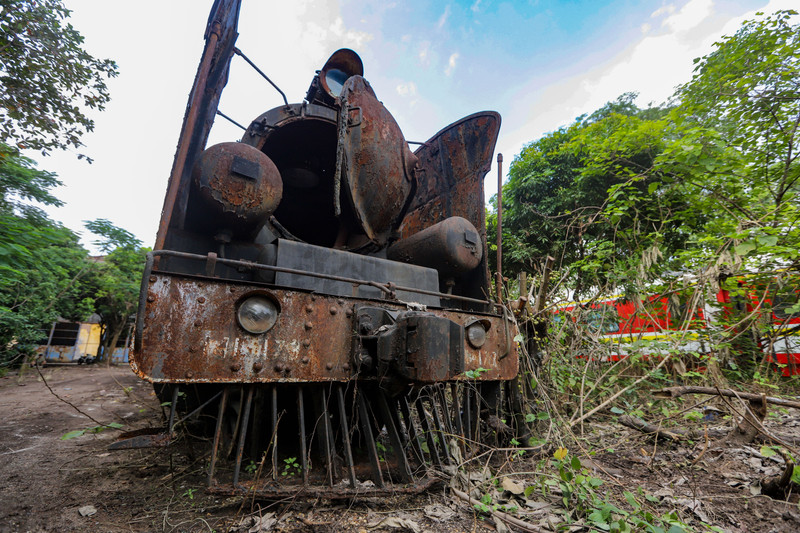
(116, 280)
(47, 80)
(42, 265)
(556, 201)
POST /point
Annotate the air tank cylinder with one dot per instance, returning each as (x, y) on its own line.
(452, 246)
(240, 186)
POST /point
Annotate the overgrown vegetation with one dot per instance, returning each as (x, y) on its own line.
(47, 83)
(673, 237)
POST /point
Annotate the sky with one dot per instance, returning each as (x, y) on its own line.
(539, 63)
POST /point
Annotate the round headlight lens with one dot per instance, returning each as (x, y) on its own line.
(476, 335)
(257, 314)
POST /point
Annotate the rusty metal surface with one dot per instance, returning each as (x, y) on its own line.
(240, 185)
(211, 77)
(451, 246)
(191, 336)
(379, 167)
(454, 163)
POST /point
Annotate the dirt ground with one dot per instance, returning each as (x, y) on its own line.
(49, 483)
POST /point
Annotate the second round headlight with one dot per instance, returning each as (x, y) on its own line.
(257, 314)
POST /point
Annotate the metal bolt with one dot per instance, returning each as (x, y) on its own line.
(151, 298)
(334, 310)
(309, 309)
(257, 367)
(346, 366)
(192, 349)
(201, 300)
(189, 375)
(308, 325)
(348, 313)
(197, 323)
(153, 279)
(329, 366)
(306, 343)
(313, 297)
(305, 360)
(340, 301)
(232, 289)
(235, 367)
(279, 368)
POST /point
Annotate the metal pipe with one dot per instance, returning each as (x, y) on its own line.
(499, 227)
(385, 288)
(229, 119)
(240, 54)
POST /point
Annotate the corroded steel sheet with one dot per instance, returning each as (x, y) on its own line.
(191, 335)
(379, 165)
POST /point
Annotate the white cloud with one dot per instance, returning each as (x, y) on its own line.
(424, 53)
(451, 64)
(689, 16)
(646, 28)
(444, 17)
(476, 7)
(407, 89)
(663, 10)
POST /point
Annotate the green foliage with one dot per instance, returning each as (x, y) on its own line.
(682, 200)
(116, 280)
(42, 266)
(47, 80)
(583, 500)
(291, 466)
(95, 429)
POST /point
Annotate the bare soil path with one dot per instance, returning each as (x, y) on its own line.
(45, 481)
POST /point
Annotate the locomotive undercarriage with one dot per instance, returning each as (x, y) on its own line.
(343, 397)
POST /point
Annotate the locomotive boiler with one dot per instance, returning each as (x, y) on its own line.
(318, 299)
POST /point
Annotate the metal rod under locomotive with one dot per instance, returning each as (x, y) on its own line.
(320, 291)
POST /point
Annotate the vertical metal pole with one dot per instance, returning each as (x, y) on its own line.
(499, 227)
(217, 436)
(173, 406)
(274, 402)
(369, 442)
(49, 340)
(348, 452)
(301, 419)
(242, 436)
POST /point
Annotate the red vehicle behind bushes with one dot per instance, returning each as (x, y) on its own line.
(749, 319)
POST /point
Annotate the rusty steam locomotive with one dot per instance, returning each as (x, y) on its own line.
(319, 293)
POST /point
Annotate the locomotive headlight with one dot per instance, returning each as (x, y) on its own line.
(476, 334)
(257, 314)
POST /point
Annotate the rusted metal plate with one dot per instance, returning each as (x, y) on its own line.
(211, 78)
(191, 336)
(379, 165)
(454, 163)
(239, 184)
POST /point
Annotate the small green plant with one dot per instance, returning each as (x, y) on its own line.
(475, 374)
(95, 429)
(381, 450)
(251, 467)
(190, 493)
(290, 466)
(582, 500)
